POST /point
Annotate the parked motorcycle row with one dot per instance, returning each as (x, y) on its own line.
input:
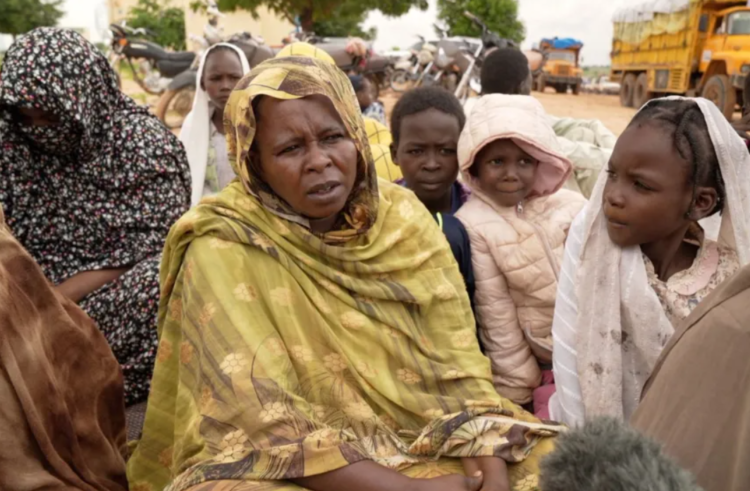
(452, 62)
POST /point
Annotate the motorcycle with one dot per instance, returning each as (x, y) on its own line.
(470, 79)
(354, 56)
(408, 71)
(153, 67)
(177, 100)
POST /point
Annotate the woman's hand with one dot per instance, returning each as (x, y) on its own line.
(455, 482)
(493, 469)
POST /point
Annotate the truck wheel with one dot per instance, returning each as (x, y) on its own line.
(627, 91)
(577, 88)
(641, 94)
(719, 90)
(541, 83)
(561, 89)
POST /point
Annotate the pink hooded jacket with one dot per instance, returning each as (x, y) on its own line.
(517, 251)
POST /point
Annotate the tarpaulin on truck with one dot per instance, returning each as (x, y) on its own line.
(637, 23)
(563, 43)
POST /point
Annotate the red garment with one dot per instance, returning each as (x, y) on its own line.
(543, 393)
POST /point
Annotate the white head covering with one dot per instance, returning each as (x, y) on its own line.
(195, 133)
(604, 298)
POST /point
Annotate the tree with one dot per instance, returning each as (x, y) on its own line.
(307, 12)
(20, 16)
(500, 16)
(345, 20)
(167, 23)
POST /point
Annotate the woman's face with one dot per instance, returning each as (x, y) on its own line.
(506, 173)
(649, 190)
(37, 117)
(221, 73)
(306, 155)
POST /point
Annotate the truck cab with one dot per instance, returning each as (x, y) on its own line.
(724, 55)
(562, 68)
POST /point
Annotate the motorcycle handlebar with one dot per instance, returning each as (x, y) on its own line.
(474, 19)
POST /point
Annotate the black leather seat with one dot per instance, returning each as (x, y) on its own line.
(146, 49)
(170, 68)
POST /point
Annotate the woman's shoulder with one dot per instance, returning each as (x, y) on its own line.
(140, 137)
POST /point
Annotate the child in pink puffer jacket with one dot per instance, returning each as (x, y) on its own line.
(517, 219)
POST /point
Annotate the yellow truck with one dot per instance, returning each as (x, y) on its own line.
(562, 68)
(686, 47)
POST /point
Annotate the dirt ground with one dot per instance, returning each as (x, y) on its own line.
(607, 109)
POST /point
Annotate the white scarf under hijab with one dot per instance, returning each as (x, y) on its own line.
(196, 130)
(604, 295)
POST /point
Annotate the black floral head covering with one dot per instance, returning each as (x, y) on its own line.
(57, 71)
(100, 188)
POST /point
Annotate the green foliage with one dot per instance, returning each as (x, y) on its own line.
(311, 11)
(345, 20)
(500, 16)
(20, 16)
(166, 22)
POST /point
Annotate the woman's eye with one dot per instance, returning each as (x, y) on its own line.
(611, 175)
(414, 151)
(641, 186)
(334, 138)
(496, 162)
(527, 162)
(289, 149)
(448, 151)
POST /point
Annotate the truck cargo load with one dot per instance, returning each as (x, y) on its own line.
(686, 47)
(562, 68)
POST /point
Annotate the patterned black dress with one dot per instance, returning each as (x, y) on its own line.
(97, 190)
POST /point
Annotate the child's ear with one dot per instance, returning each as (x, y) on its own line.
(704, 203)
(394, 151)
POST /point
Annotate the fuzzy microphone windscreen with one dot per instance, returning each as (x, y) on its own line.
(606, 455)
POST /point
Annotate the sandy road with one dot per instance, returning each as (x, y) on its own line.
(605, 108)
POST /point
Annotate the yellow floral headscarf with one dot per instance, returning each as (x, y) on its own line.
(283, 355)
(295, 78)
(305, 50)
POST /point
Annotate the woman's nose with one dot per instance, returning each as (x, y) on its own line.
(317, 159)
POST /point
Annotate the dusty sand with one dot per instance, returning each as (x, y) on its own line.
(605, 108)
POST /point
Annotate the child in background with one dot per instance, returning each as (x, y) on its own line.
(222, 66)
(371, 108)
(587, 144)
(426, 124)
(517, 218)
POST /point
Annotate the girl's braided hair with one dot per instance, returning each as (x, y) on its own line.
(685, 123)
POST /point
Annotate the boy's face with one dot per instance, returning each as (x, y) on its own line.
(426, 153)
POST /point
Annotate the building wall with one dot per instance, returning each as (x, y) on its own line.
(270, 26)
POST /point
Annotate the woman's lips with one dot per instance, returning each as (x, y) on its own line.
(324, 190)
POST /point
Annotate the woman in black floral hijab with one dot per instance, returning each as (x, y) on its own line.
(90, 184)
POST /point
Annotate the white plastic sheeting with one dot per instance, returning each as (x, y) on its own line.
(645, 11)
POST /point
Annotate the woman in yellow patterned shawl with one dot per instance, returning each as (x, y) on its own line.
(314, 330)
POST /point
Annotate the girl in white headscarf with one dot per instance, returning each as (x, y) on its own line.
(222, 66)
(637, 262)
